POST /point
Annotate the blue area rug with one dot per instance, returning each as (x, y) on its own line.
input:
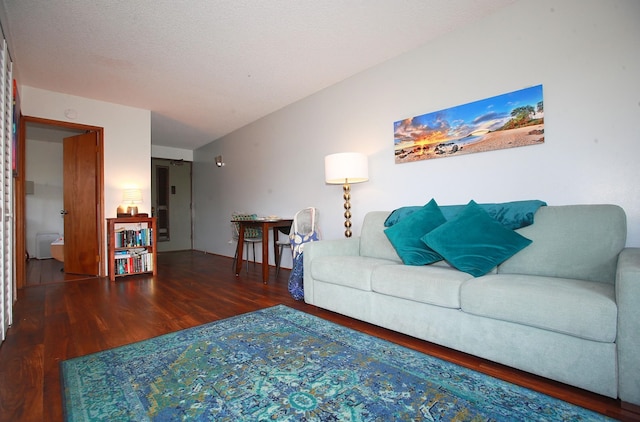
(282, 364)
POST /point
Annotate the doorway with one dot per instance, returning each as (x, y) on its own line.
(171, 203)
(40, 202)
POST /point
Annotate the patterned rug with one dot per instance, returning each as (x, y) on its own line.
(282, 364)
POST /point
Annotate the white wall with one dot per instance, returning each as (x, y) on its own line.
(44, 169)
(586, 55)
(127, 139)
(169, 153)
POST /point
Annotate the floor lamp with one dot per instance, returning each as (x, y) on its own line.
(343, 169)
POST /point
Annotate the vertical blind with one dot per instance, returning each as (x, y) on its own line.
(6, 195)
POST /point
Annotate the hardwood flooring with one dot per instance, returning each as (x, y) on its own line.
(56, 320)
(44, 271)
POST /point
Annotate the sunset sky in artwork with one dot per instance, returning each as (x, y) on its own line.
(463, 120)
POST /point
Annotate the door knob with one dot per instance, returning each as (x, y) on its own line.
(64, 212)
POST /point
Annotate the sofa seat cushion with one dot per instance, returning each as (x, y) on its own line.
(583, 309)
(350, 271)
(434, 285)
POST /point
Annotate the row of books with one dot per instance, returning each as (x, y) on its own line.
(125, 238)
(133, 261)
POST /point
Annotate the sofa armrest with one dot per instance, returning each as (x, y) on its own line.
(350, 246)
(628, 338)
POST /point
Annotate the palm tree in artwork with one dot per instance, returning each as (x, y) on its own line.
(522, 113)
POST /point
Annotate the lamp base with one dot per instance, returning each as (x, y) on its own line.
(133, 210)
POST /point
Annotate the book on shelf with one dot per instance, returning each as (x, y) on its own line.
(127, 238)
(139, 261)
(131, 246)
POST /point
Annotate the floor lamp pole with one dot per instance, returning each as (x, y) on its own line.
(346, 195)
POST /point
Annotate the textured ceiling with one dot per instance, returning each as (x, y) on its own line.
(207, 67)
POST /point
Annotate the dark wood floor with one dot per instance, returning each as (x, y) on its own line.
(44, 271)
(56, 320)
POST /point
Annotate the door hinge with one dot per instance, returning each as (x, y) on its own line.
(97, 258)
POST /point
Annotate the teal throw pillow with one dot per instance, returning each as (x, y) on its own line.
(405, 235)
(474, 242)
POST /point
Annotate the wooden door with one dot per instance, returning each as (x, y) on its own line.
(81, 202)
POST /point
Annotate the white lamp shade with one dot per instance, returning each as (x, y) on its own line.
(346, 167)
(132, 196)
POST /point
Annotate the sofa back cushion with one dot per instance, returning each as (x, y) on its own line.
(373, 242)
(572, 241)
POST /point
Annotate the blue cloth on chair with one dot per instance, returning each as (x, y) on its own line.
(296, 278)
(298, 237)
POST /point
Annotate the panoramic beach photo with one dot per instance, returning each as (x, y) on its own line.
(509, 120)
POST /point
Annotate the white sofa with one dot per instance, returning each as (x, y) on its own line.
(566, 307)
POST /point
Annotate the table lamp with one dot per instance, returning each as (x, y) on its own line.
(345, 168)
(131, 197)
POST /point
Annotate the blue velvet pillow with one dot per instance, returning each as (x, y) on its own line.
(405, 235)
(512, 215)
(474, 242)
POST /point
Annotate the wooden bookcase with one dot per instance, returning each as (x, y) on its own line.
(131, 246)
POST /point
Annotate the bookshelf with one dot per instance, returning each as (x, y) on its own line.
(131, 246)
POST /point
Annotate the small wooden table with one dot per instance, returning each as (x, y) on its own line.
(57, 250)
(265, 224)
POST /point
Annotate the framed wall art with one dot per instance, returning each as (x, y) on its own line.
(509, 120)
